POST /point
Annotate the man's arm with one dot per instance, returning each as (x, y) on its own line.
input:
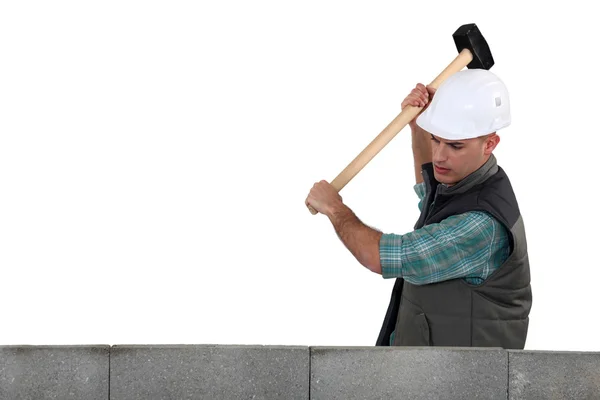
(421, 146)
(470, 245)
(361, 240)
(420, 96)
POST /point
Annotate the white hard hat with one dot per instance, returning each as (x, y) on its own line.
(468, 104)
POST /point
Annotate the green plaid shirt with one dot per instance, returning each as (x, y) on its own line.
(470, 246)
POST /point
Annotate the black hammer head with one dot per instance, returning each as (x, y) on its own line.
(469, 37)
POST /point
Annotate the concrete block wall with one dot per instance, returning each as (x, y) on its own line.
(293, 372)
(54, 372)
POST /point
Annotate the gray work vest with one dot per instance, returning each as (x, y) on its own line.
(455, 313)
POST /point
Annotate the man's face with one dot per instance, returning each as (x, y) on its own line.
(453, 160)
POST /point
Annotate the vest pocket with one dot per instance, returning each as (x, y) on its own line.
(424, 328)
(412, 327)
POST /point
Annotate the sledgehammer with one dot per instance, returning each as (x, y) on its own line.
(473, 52)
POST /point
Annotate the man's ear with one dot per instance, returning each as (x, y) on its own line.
(490, 143)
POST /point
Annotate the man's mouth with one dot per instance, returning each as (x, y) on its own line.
(441, 170)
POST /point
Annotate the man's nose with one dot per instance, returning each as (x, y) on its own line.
(440, 153)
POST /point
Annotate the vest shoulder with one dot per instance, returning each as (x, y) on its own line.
(497, 196)
(497, 185)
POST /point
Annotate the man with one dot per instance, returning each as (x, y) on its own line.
(462, 276)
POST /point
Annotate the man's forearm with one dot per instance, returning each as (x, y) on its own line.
(361, 240)
(421, 145)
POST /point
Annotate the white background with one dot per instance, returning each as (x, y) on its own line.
(155, 158)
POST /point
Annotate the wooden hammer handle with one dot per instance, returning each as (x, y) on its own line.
(390, 131)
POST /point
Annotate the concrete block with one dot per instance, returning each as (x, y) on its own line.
(54, 372)
(408, 373)
(553, 375)
(212, 372)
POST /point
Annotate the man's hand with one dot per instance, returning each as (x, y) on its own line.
(420, 96)
(324, 198)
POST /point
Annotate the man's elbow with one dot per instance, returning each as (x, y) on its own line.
(372, 262)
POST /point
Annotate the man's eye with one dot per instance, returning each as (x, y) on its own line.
(455, 147)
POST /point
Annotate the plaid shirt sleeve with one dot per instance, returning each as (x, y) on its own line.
(420, 190)
(470, 246)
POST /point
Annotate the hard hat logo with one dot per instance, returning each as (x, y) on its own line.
(469, 104)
